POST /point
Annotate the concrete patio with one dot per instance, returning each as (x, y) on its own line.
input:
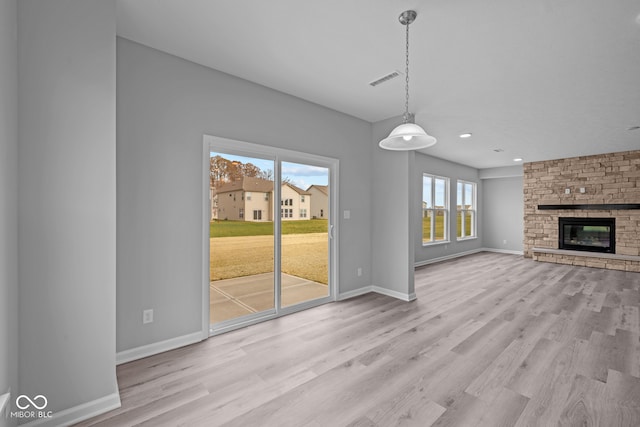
(231, 298)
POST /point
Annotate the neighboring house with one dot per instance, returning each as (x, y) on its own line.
(251, 199)
(319, 201)
(248, 199)
(295, 203)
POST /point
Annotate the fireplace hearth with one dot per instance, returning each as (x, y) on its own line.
(587, 234)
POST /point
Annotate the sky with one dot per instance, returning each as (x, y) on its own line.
(300, 175)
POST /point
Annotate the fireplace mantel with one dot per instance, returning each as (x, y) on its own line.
(602, 206)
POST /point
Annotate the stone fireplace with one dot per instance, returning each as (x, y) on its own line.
(601, 187)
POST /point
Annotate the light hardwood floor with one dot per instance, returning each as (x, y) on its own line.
(493, 340)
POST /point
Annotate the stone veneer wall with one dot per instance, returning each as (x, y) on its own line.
(606, 178)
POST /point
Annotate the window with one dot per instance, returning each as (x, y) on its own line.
(303, 213)
(286, 213)
(435, 209)
(302, 198)
(248, 194)
(466, 209)
(241, 213)
(257, 215)
(266, 197)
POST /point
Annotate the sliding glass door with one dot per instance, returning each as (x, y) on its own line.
(270, 232)
(304, 213)
(242, 275)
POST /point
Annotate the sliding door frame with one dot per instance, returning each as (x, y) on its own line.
(278, 155)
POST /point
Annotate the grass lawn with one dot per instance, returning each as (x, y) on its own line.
(303, 255)
(244, 248)
(426, 227)
(248, 228)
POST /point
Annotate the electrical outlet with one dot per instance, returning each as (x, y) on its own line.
(504, 242)
(359, 271)
(147, 316)
(567, 191)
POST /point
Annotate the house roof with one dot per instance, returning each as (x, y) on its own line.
(297, 189)
(247, 183)
(257, 185)
(324, 189)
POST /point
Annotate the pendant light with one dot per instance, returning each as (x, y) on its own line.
(407, 136)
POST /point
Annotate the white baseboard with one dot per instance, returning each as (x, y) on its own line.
(394, 294)
(461, 254)
(78, 413)
(447, 257)
(378, 290)
(4, 404)
(503, 251)
(157, 347)
(355, 293)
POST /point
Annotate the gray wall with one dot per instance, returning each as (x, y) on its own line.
(392, 203)
(66, 207)
(454, 171)
(164, 106)
(503, 213)
(8, 198)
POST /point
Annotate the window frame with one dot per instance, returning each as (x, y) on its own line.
(433, 210)
(463, 212)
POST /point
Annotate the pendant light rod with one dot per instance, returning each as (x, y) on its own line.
(406, 18)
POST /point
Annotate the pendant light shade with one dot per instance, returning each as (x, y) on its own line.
(407, 136)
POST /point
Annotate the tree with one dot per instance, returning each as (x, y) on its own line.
(222, 171)
(268, 175)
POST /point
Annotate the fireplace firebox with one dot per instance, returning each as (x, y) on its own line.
(587, 234)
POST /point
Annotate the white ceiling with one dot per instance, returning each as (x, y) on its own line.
(537, 79)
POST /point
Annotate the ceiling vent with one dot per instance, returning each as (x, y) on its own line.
(386, 78)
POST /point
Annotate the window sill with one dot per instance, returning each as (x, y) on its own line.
(439, 242)
(467, 238)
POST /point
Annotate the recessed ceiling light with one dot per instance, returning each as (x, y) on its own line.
(498, 150)
(465, 135)
(517, 159)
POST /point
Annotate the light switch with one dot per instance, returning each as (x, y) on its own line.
(347, 214)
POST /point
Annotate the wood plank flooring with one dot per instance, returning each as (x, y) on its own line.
(493, 340)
